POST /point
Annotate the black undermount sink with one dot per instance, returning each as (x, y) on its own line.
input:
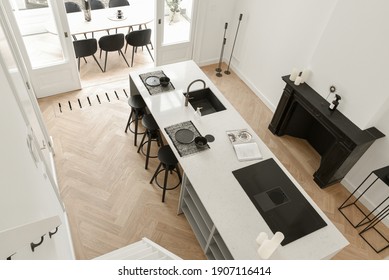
(205, 99)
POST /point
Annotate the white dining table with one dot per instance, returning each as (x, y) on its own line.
(138, 13)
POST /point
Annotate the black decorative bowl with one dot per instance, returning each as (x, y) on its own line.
(200, 141)
(164, 81)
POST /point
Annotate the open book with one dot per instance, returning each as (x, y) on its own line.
(245, 147)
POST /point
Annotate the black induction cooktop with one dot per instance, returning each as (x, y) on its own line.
(279, 202)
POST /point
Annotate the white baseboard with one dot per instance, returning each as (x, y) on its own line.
(257, 92)
(364, 200)
(207, 62)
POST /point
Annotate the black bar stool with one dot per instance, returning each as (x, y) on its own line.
(169, 163)
(153, 134)
(138, 108)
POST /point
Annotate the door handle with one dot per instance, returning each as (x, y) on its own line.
(159, 21)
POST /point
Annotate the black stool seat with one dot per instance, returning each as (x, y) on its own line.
(167, 157)
(136, 102)
(168, 162)
(153, 134)
(138, 108)
(149, 122)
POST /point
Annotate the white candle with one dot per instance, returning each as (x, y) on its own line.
(294, 74)
(278, 237)
(261, 238)
(305, 75)
(265, 250)
(297, 81)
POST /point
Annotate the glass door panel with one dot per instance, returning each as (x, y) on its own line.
(177, 21)
(48, 57)
(175, 28)
(33, 17)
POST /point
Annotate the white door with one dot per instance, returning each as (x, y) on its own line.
(48, 57)
(175, 25)
(25, 97)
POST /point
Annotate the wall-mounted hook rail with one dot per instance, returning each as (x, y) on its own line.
(52, 233)
(34, 245)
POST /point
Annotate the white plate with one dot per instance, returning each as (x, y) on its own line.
(153, 81)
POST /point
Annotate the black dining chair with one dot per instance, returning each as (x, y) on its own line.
(86, 47)
(72, 7)
(138, 38)
(118, 3)
(145, 25)
(96, 5)
(111, 43)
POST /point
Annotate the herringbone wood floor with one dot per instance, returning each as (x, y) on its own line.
(106, 189)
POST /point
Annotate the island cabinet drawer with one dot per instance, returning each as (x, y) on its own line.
(201, 223)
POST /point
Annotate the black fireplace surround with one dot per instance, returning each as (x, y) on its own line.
(303, 113)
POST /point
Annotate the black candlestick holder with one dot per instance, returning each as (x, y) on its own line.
(335, 103)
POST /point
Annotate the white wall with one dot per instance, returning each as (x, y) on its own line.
(212, 16)
(376, 157)
(274, 37)
(344, 43)
(353, 54)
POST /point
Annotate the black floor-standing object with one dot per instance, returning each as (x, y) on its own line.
(227, 72)
(375, 216)
(219, 69)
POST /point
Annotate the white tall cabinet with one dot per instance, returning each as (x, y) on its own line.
(28, 188)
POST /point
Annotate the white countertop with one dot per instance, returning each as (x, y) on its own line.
(210, 171)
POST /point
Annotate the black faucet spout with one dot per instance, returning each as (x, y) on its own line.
(187, 95)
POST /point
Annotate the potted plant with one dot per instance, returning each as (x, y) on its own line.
(174, 7)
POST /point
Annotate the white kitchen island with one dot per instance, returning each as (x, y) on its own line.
(222, 216)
